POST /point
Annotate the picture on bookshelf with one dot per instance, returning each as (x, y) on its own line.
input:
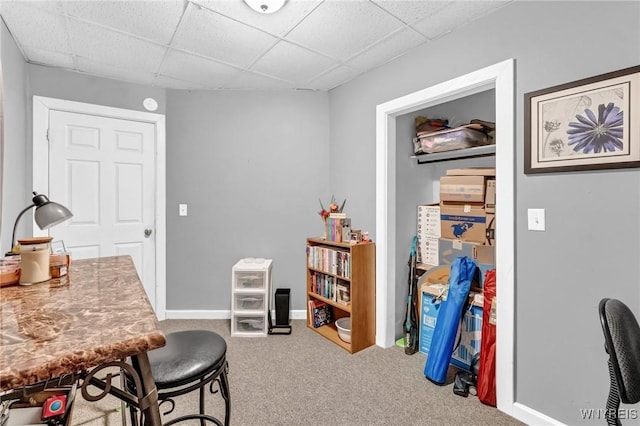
(343, 293)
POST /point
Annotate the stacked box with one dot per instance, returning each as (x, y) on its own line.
(465, 222)
(462, 189)
(428, 234)
(467, 228)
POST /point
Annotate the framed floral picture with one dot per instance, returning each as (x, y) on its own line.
(587, 124)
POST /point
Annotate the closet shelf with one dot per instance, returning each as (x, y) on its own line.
(476, 151)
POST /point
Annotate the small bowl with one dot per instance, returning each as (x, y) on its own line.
(344, 328)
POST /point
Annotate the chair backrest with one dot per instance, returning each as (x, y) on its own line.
(622, 343)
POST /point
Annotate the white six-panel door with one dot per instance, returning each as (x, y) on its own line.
(102, 169)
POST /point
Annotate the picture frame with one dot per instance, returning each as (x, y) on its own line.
(588, 124)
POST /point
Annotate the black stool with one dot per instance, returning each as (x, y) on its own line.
(190, 360)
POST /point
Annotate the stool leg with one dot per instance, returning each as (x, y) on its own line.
(201, 391)
(224, 390)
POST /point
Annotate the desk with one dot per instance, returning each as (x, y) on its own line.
(76, 325)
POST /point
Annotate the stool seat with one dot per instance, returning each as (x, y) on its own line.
(187, 354)
(190, 360)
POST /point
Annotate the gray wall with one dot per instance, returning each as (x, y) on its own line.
(15, 191)
(250, 166)
(586, 253)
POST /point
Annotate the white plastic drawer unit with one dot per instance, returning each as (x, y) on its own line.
(248, 302)
(246, 324)
(250, 280)
(250, 290)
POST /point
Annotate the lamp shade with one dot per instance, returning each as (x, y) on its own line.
(51, 214)
(47, 215)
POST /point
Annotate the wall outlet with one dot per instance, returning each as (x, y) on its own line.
(182, 209)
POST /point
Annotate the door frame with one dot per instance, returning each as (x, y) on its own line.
(501, 77)
(41, 108)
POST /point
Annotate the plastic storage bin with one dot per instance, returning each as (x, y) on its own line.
(462, 137)
(248, 302)
(249, 280)
(250, 293)
(250, 324)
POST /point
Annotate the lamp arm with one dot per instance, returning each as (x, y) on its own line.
(15, 226)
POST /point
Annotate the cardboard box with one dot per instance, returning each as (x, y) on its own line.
(484, 254)
(462, 189)
(428, 233)
(450, 249)
(485, 257)
(472, 171)
(429, 220)
(466, 222)
(430, 307)
(490, 196)
(470, 338)
(471, 324)
(427, 250)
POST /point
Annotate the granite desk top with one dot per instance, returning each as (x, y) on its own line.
(98, 312)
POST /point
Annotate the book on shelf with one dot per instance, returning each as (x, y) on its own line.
(319, 313)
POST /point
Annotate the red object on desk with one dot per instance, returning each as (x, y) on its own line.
(54, 406)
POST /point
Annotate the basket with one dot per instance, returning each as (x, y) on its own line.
(344, 328)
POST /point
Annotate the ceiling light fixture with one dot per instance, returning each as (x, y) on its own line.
(265, 6)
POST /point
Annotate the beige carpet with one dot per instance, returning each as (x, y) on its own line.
(303, 378)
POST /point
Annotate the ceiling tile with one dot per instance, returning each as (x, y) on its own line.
(333, 78)
(154, 20)
(41, 5)
(35, 27)
(213, 35)
(391, 47)
(248, 80)
(341, 29)
(109, 47)
(277, 24)
(411, 11)
(456, 14)
(173, 83)
(108, 71)
(188, 67)
(49, 58)
(306, 65)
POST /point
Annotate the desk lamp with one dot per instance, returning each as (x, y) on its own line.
(47, 214)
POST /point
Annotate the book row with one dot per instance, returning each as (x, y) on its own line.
(331, 287)
(329, 260)
(338, 228)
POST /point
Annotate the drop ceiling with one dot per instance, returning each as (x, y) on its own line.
(223, 44)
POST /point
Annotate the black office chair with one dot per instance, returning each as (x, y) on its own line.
(622, 343)
(190, 360)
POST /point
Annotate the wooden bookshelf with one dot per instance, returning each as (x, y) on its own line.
(361, 278)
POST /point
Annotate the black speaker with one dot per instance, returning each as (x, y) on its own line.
(282, 306)
(281, 302)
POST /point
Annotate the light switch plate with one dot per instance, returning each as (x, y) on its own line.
(182, 209)
(536, 219)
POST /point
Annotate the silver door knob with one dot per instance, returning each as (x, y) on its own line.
(147, 232)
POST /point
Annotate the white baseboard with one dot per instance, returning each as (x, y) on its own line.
(214, 314)
(530, 416)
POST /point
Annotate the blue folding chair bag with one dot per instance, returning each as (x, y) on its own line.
(446, 329)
